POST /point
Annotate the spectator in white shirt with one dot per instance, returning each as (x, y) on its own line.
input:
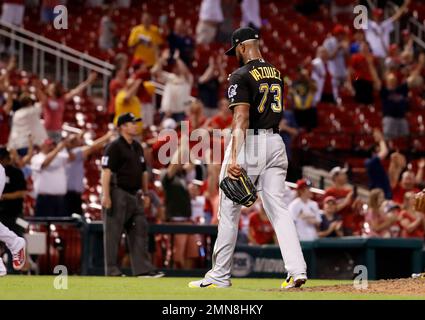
(26, 120)
(197, 201)
(13, 12)
(320, 74)
(210, 17)
(379, 30)
(338, 48)
(251, 14)
(178, 85)
(49, 177)
(305, 212)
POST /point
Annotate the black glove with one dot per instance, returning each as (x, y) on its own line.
(241, 191)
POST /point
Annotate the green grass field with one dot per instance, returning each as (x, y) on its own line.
(82, 288)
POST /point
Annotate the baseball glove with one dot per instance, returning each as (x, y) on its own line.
(420, 201)
(241, 191)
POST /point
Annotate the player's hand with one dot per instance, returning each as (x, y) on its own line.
(234, 171)
(106, 202)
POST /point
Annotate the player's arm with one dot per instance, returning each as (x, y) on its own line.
(239, 126)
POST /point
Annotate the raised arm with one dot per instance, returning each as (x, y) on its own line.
(27, 158)
(400, 11)
(383, 148)
(39, 92)
(157, 69)
(420, 173)
(397, 164)
(418, 69)
(181, 153)
(52, 155)
(133, 89)
(81, 87)
(372, 69)
(97, 144)
(208, 73)
(182, 67)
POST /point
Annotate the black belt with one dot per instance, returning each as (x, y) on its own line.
(270, 130)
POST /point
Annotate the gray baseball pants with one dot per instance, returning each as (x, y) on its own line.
(264, 158)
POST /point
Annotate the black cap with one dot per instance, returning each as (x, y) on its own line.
(4, 153)
(127, 117)
(240, 35)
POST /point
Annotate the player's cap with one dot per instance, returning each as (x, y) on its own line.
(240, 35)
(337, 170)
(303, 183)
(127, 117)
(329, 199)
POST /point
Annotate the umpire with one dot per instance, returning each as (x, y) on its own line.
(123, 176)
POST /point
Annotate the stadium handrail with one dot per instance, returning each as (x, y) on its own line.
(62, 53)
(412, 21)
(61, 46)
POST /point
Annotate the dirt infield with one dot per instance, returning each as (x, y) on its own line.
(414, 287)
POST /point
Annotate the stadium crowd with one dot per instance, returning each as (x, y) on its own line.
(45, 163)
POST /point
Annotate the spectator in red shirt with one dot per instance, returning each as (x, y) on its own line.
(54, 104)
(118, 82)
(412, 222)
(4, 120)
(351, 220)
(380, 216)
(360, 79)
(224, 117)
(260, 229)
(408, 179)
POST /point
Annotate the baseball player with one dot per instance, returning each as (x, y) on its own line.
(15, 244)
(255, 95)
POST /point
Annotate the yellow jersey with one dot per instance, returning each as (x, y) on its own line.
(133, 105)
(145, 50)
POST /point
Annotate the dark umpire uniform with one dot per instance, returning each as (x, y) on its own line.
(127, 165)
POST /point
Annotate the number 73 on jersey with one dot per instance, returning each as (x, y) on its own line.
(274, 89)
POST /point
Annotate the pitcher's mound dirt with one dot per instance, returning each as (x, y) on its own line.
(388, 287)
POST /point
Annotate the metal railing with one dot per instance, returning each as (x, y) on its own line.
(416, 28)
(37, 53)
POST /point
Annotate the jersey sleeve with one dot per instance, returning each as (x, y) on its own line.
(111, 159)
(238, 92)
